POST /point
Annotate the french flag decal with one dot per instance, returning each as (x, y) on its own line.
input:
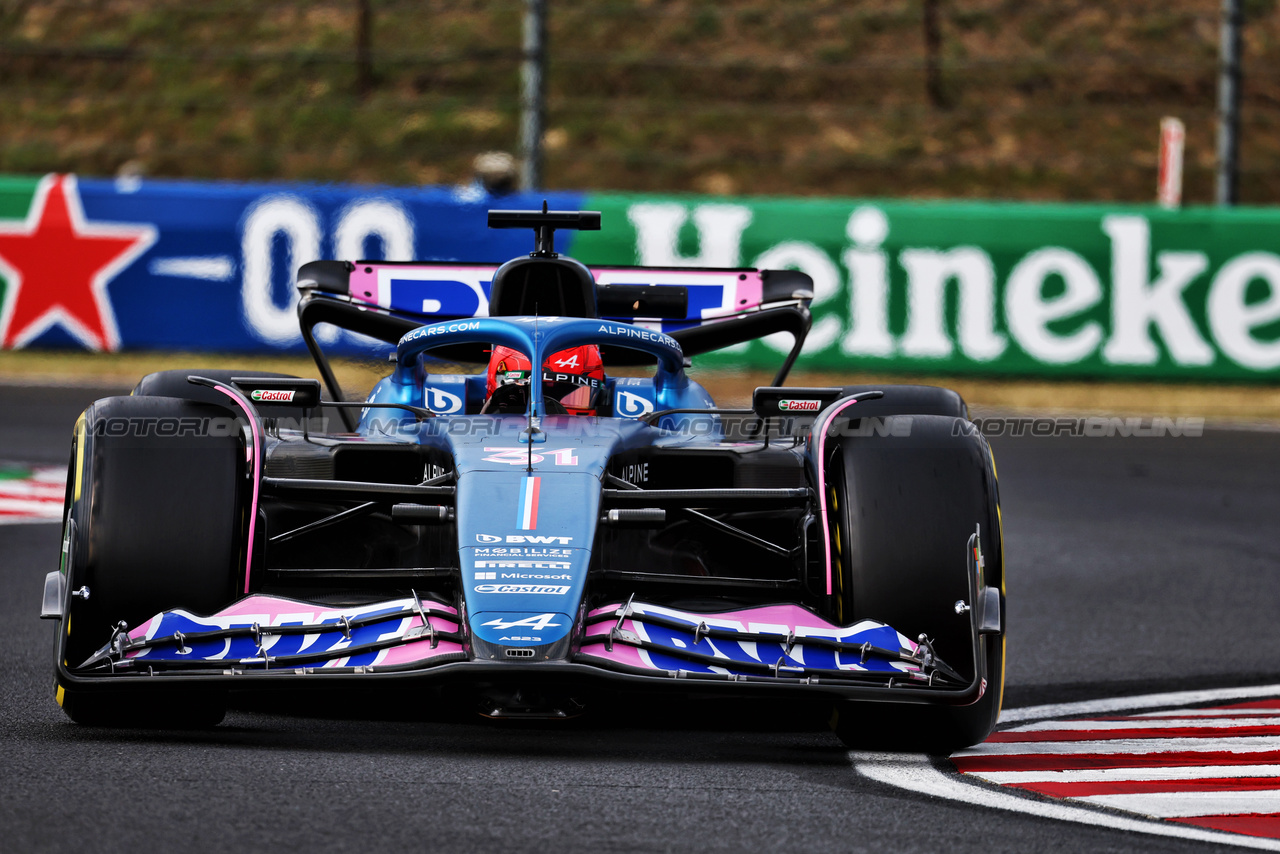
(528, 520)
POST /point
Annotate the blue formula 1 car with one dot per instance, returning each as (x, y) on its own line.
(539, 531)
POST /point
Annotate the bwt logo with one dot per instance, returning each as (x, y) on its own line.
(799, 405)
(532, 539)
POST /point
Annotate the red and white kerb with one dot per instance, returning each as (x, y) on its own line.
(1216, 768)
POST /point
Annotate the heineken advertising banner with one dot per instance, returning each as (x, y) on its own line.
(957, 287)
(992, 288)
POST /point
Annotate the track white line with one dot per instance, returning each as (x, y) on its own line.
(35, 508)
(1147, 723)
(31, 489)
(1128, 775)
(913, 772)
(1191, 804)
(1149, 701)
(1192, 714)
(1243, 744)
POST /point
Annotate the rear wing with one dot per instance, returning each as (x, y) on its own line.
(666, 298)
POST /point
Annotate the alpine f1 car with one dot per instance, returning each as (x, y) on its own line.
(535, 530)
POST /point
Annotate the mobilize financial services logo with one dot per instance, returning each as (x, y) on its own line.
(512, 552)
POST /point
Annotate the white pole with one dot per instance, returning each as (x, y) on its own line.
(532, 99)
(1169, 182)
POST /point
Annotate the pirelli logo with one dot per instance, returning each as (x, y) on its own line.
(522, 564)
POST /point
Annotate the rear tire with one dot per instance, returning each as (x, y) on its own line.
(154, 521)
(905, 506)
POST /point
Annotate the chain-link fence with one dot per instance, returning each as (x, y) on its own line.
(1026, 99)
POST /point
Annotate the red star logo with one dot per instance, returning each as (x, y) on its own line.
(57, 267)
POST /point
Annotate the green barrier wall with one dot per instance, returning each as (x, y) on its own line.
(991, 288)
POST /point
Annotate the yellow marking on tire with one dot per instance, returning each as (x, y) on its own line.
(1000, 525)
(80, 437)
(835, 530)
(62, 692)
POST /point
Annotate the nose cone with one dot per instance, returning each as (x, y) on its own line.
(520, 636)
(525, 548)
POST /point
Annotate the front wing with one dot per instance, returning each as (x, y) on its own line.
(268, 640)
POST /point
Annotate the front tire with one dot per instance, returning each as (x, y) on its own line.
(154, 521)
(906, 503)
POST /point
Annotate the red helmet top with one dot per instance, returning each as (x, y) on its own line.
(574, 378)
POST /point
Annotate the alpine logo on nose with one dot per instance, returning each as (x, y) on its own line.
(538, 622)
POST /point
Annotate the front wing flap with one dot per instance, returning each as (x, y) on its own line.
(265, 632)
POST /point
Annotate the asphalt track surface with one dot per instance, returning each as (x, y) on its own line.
(1135, 566)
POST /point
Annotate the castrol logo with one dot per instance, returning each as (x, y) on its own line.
(799, 405)
(268, 396)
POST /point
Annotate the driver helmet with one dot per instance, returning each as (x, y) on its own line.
(573, 378)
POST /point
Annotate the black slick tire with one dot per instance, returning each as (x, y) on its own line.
(154, 521)
(906, 502)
